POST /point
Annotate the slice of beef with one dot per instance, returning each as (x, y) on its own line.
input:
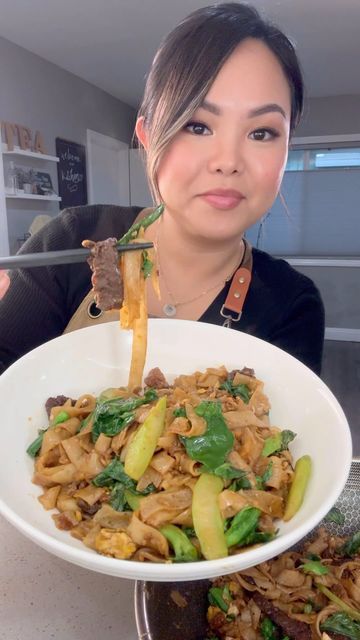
(88, 509)
(57, 401)
(246, 371)
(295, 629)
(156, 379)
(106, 277)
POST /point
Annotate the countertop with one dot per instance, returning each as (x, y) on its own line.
(44, 597)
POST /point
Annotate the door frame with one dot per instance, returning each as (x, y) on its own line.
(96, 138)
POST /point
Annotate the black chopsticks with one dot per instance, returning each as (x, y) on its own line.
(69, 256)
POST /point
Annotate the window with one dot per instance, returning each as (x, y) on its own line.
(318, 213)
(310, 159)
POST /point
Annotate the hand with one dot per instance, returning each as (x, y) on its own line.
(4, 283)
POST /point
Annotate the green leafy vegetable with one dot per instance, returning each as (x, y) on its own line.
(147, 265)
(316, 567)
(85, 422)
(179, 412)
(287, 436)
(183, 548)
(114, 472)
(242, 526)
(308, 607)
(34, 448)
(190, 531)
(313, 556)
(145, 222)
(240, 483)
(353, 613)
(278, 442)
(225, 471)
(342, 623)
(351, 546)
(239, 390)
(212, 447)
(335, 516)
(111, 427)
(114, 477)
(220, 598)
(228, 472)
(117, 497)
(258, 537)
(61, 417)
(268, 630)
(112, 416)
(261, 480)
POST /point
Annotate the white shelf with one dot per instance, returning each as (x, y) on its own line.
(28, 154)
(29, 196)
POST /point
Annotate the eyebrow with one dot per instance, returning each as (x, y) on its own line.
(259, 111)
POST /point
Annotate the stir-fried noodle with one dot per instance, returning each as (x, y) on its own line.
(215, 425)
(301, 595)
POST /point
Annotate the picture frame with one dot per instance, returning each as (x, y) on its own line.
(42, 184)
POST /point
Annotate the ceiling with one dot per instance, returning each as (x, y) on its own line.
(110, 43)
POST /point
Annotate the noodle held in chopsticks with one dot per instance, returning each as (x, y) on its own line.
(120, 282)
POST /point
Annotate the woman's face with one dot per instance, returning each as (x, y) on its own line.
(222, 172)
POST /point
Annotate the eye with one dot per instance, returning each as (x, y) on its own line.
(264, 135)
(197, 128)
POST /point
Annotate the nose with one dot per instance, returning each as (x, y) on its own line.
(226, 157)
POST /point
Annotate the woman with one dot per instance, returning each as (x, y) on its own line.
(222, 100)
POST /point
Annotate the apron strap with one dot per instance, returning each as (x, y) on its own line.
(240, 283)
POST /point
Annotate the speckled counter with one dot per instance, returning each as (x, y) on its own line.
(43, 597)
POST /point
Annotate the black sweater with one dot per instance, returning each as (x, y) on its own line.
(282, 306)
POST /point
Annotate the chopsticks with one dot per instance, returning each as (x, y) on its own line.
(69, 256)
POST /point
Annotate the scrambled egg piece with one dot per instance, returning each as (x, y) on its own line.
(114, 543)
(212, 612)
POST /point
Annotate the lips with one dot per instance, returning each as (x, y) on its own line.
(222, 198)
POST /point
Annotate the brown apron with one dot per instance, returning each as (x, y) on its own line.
(83, 316)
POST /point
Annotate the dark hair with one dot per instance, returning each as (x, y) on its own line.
(188, 61)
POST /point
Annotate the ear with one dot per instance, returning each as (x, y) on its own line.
(141, 132)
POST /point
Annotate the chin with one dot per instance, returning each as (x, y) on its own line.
(224, 225)
(220, 234)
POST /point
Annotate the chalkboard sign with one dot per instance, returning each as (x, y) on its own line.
(71, 173)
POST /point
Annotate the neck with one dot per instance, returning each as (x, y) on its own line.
(181, 252)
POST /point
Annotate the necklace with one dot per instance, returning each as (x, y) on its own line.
(170, 308)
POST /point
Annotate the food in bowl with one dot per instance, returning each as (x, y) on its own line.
(302, 594)
(300, 401)
(171, 473)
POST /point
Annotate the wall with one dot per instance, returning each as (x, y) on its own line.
(333, 115)
(339, 287)
(44, 97)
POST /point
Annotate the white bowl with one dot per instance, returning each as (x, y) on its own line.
(89, 360)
